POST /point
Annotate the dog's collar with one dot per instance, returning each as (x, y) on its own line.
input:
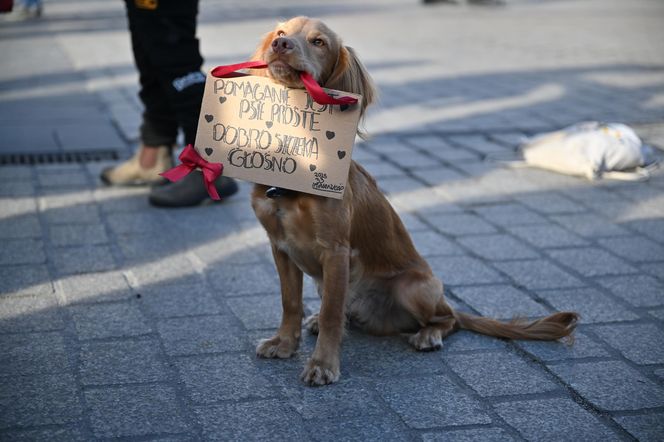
(276, 192)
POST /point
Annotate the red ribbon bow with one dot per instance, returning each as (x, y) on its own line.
(191, 160)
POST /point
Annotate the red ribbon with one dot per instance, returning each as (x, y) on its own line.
(310, 83)
(191, 160)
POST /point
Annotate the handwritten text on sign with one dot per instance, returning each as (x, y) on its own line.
(269, 134)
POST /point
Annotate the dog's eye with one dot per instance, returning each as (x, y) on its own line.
(318, 42)
(280, 33)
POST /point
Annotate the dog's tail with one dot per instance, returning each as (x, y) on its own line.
(550, 328)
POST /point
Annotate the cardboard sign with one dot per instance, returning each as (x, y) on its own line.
(270, 134)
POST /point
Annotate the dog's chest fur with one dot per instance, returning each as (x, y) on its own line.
(289, 230)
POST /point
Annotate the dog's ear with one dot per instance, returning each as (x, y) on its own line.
(350, 75)
(259, 53)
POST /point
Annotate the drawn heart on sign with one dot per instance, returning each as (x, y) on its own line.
(222, 99)
(209, 117)
(341, 154)
(268, 124)
(344, 107)
(312, 167)
(329, 134)
(208, 151)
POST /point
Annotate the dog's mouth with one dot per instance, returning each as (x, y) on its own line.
(282, 69)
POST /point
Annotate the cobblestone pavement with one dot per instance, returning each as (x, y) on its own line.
(118, 320)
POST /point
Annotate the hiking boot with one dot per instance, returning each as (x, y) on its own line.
(190, 191)
(130, 173)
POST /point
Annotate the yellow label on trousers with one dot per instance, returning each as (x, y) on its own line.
(146, 4)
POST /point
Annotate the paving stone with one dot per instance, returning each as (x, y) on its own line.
(93, 287)
(258, 420)
(176, 269)
(77, 235)
(30, 313)
(51, 434)
(202, 334)
(25, 226)
(429, 243)
(414, 160)
(638, 290)
(655, 269)
(538, 274)
(583, 346)
(589, 225)
(497, 247)
(22, 251)
(81, 214)
(25, 280)
(611, 385)
(173, 300)
(550, 203)
(486, 434)
(591, 304)
(236, 280)
(456, 224)
(364, 355)
(17, 189)
(92, 136)
(38, 400)
(109, 320)
(399, 186)
(659, 373)
(33, 353)
(651, 227)
(553, 420)
(546, 236)
(438, 176)
(634, 248)
(359, 429)
(500, 373)
(218, 378)
(478, 143)
(60, 180)
(461, 270)
(640, 343)
(85, 259)
(16, 173)
(383, 170)
(258, 312)
(347, 399)
(135, 410)
(465, 340)
(644, 427)
(592, 262)
(500, 301)
(120, 362)
(509, 215)
(419, 403)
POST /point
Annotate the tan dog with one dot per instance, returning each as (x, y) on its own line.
(356, 249)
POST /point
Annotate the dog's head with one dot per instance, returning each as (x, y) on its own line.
(305, 44)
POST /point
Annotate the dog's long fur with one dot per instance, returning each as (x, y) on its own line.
(356, 249)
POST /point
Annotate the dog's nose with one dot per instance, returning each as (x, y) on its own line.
(282, 45)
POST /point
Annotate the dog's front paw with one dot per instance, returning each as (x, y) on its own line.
(311, 324)
(318, 373)
(427, 339)
(277, 347)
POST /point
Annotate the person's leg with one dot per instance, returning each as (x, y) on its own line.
(159, 127)
(174, 53)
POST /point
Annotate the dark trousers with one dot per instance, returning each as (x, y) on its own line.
(166, 52)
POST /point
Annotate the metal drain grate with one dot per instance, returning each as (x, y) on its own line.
(57, 157)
